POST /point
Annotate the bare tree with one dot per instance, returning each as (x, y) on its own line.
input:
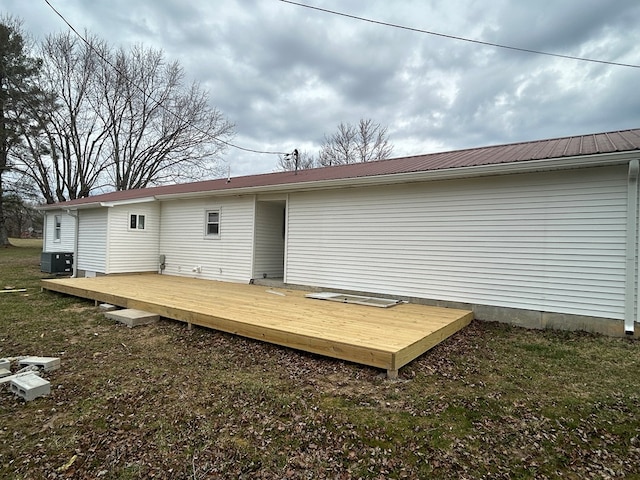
(160, 129)
(364, 142)
(304, 161)
(71, 151)
(121, 120)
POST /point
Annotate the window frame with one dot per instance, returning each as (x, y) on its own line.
(57, 228)
(138, 217)
(207, 212)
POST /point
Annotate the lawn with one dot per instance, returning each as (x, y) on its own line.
(162, 401)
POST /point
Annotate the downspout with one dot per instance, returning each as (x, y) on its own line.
(75, 241)
(632, 236)
(286, 240)
(44, 231)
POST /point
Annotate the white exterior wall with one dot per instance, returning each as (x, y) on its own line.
(185, 245)
(269, 246)
(67, 232)
(550, 241)
(132, 250)
(92, 240)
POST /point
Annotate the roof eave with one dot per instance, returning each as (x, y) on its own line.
(526, 166)
(62, 206)
(84, 206)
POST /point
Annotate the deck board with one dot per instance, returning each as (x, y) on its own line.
(386, 338)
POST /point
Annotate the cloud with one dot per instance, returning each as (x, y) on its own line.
(287, 75)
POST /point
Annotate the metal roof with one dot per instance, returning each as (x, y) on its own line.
(557, 148)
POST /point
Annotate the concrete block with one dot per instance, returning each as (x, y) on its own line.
(5, 363)
(107, 307)
(133, 318)
(4, 372)
(30, 386)
(47, 363)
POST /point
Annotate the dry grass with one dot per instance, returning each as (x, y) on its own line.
(163, 402)
(26, 242)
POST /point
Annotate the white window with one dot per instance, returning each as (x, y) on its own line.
(136, 222)
(212, 223)
(57, 229)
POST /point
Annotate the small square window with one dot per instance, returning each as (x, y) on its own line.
(212, 223)
(136, 222)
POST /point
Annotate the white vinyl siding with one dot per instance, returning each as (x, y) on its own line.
(133, 250)
(67, 232)
(227, 258)
(545, 242)
(92, 240)
(269, 247)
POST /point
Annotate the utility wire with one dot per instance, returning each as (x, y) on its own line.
(462, 39)
(148, 96)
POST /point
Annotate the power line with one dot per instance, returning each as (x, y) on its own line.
(148, 96)
(462, 39)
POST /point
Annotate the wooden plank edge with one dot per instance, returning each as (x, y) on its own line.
(416, 349)
(340, 350)
(329, 348)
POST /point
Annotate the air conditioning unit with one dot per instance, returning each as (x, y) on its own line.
(56, 262)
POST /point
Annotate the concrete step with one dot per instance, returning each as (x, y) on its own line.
(132, 318)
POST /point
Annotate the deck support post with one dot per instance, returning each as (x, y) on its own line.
(392, 374)
(189, 326)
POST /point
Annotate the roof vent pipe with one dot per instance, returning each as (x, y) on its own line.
(632, 236)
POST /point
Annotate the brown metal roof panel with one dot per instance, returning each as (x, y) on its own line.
(536, 148)
(621, 141)
(588, 144)
(627, 140)
(572, 147)
(526, 151)
(559, 147)
(630, 137)
(505, 154)
(473, 157)
(547, 149)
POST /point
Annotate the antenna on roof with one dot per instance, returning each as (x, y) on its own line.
(295, 159)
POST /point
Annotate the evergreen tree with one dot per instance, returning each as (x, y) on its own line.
(18, 95)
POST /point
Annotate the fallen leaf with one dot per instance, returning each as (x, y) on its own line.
(67, 465)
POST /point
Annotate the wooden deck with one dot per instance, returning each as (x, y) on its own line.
(386, 338)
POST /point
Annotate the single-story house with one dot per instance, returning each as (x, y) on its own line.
(541, 234)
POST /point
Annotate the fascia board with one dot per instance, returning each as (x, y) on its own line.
(131, 201)
(59, 206)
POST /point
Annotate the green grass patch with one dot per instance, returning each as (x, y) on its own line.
(161, 401)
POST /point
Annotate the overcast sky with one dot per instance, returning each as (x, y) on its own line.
(286, 75)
